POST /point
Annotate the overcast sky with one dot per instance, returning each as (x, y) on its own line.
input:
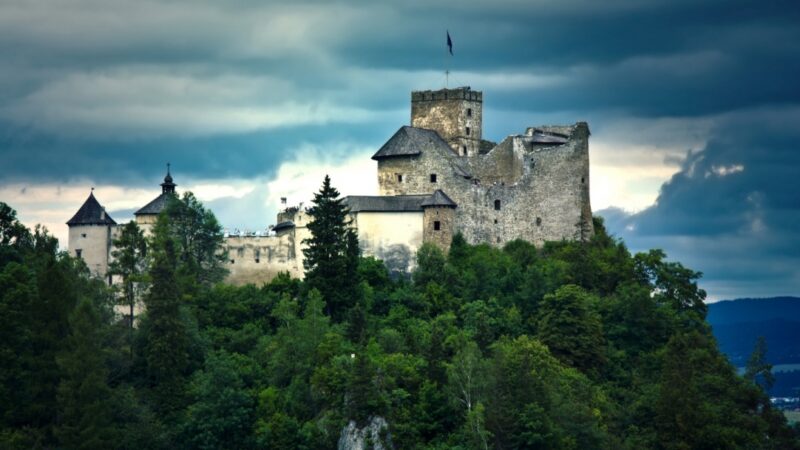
(694, 108)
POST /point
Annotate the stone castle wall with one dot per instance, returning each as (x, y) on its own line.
(542, 190)
(442, 235)
(456, 114)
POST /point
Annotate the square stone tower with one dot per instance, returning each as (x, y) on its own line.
(456, 114)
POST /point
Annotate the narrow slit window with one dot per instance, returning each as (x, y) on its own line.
(538, 221)
(468, 131)
(469, 112)
(399, 178)
(463, 150)
(497, 205)
(433, 178)
(437, 225)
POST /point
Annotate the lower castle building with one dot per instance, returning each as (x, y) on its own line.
(436, 177)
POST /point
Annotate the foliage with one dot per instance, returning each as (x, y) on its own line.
(572, 345)
(758, 370)
(130, 264)
(331, 253)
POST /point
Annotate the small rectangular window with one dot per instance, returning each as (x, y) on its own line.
(83, 235)
(497, 205)
(399, 178)
(469, 112)
(463, 150)
(437, 225)
(78, 252)
(467, 131)
(433, 178)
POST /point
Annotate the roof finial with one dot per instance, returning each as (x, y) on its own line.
(92, 188)
(168, 185)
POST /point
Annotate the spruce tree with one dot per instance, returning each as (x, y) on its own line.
(331, 253)
(166, 350)
(758, 370)
(84, 397)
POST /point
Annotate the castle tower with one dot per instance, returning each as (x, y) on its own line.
(438, 220)
(91, 234)
(456, 114)
(147, 215)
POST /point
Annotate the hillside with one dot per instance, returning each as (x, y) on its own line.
(737, 324)
(565, 346)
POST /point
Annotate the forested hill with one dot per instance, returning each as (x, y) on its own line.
(576, 345)
(737, 324)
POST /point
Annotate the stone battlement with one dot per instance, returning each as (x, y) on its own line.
(460, 93)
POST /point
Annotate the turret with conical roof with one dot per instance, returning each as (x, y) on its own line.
(91, 232)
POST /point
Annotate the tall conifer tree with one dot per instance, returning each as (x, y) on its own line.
(167, 341)
(331, 255)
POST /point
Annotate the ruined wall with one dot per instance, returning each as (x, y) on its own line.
(94, 244)
(393, 237)
(257, 259)
(443, 236)
(456, 114)
(542, 190)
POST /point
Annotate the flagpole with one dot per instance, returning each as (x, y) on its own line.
(447, 49)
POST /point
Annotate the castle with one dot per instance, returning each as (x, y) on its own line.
(436, 177)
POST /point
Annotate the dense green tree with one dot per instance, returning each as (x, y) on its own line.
(17, 293)
(536, 402)
(197, 237)
(571, 328)
(85, 400)
(331, 253)
(623, 356)
(130, 264)
(222, 413)
(166, 349)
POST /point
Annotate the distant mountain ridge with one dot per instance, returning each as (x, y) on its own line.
(738, 323)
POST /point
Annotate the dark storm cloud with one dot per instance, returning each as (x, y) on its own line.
(732, 210)
(32, 157)
(107, 92)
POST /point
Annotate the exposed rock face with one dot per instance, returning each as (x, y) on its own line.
(374, 436)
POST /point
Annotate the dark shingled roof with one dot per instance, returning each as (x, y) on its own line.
(282, 225)
(439, 198)
(410, 141)
(156, 206)
(394, 203)
(91, 213)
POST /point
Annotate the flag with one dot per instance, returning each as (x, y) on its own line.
(449, 43)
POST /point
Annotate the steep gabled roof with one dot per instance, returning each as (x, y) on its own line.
(91, 213)
(410, 141)
(393, 203)
(156, 206)
(439, 198)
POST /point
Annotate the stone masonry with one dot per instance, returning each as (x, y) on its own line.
(437, 177)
